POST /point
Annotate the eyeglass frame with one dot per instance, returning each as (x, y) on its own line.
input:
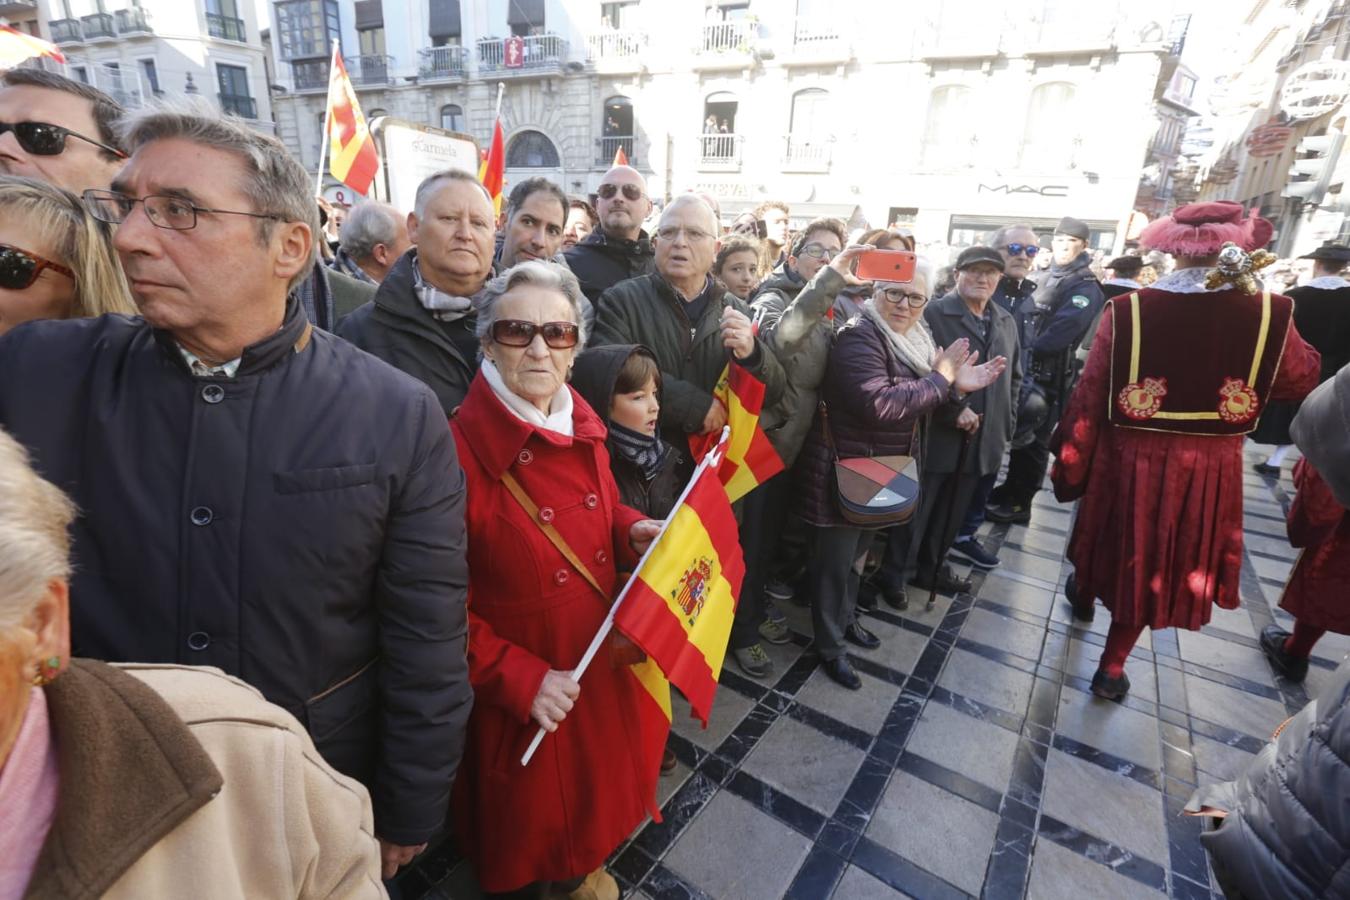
(616, 189)
(906, 298)
(92, 197)
(1016, 249)
(571, 329)
(39, 264)
(65, 133)
(817, 251)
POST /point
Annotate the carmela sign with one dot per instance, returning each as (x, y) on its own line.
(410, 152)
(1047, 190)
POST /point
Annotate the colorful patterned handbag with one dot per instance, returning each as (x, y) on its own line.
(873, 491)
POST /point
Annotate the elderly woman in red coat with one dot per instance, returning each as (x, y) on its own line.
(1151, 440)
(538, 475)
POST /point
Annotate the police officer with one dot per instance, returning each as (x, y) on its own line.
(1067, 300)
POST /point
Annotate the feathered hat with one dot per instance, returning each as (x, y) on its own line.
(1201, 229)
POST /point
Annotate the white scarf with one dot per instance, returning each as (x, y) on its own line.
(559, 418)
(915, 348)
(1328, 282)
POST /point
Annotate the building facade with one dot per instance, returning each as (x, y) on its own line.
(948, 119)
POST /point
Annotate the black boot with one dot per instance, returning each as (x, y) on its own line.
(1109, 688)
(1083, 608)
(1272, 644)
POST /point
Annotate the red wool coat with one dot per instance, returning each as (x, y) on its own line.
(1158, 535)
(591, 781)
(1318, 592)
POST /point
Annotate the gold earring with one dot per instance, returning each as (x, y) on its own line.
(43, 678)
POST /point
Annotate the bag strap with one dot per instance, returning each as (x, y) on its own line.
(554, 536)
(825, 428)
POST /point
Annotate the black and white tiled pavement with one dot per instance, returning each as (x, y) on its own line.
(974, 762)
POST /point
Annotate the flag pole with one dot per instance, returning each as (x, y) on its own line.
(327, 114)
(709, 460)
(501, 89)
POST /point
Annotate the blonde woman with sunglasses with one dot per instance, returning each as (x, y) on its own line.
(56, 260)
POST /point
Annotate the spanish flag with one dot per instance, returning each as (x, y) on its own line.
(679, 605)
(620, 158)
(750, 458)
(351, 150)
(492, 171)
(17, 46)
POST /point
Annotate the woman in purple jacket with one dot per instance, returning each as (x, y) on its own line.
(884, 374)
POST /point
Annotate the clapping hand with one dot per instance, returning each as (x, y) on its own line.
(970, 377)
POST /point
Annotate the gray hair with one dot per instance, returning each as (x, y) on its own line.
(923, 268)
(435, 181)
(1000, 234)
(547, 275)
(274, 182)
(35, 519)
(692, 199)
(366, 226)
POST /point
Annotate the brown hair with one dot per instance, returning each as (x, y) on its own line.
(771, 204)
(833, 226)
(876, 236)
(738, 243)
(107, 111)
(639, 368)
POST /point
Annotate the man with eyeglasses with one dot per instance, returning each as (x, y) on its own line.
(619, 249)
(256, 494)
(57, 130)
(1067, 300)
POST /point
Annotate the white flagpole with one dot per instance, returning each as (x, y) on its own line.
(712, 458)
(501, 89)
(327, 113)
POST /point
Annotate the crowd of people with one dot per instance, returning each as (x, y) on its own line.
(383, 471)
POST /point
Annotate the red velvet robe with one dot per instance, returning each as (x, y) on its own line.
(594, 779)
(1158, 535)
(1318, 592)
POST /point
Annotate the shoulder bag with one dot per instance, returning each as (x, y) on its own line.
(873, 491)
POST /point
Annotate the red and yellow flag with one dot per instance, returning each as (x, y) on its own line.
(750, 458)
(683, 597)
(620, 158)
(492, 171)
(17, 46)
(352, 157)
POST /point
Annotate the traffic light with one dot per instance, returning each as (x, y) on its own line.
(1318, 164)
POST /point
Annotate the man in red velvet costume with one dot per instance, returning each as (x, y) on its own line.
(1151, 441)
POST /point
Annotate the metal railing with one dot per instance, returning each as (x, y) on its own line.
(97, 25)
(244, 107)
(13, 7)
(539, 50)
(728, 37)
(372, 69)
(444, 62)
(66, 31)
(309, 78)
(616, 44)
(814, 31)
(806, 152)
(130, 21)
(227, 27)
(123, 85)
(718, 148)
(304, 50)
(608, 147)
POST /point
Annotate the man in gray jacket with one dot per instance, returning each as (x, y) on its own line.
(1322, 432)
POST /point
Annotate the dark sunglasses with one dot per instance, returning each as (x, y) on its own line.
(19, 268)
(515, 333)
(45, 139)
(607, 191)
(1029, 249)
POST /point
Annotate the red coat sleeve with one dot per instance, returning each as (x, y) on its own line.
(503, 674)
(1080, 429)
(1300, 367)
(1314, 515)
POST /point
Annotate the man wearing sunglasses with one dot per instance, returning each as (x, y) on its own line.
(619, 249)
(57, 130)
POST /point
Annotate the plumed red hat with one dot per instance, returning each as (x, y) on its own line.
(1200, 229)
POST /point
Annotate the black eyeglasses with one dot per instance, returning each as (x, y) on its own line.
(816, 251)
(19, 268)
(516, 333)
(163, 210)
(1018, 249)
(607, 191)
(46, 139)
(898, 296)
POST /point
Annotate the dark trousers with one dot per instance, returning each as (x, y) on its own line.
(1026, 467)
(975, 513)
(922, 546)
(764, 512)
(833, 575)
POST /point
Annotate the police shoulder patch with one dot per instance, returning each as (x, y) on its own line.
(1080, 301)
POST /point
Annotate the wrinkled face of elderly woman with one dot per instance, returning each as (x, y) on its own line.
(532, 341)
(901, 303)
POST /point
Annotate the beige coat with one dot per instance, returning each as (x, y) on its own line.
(179, 781)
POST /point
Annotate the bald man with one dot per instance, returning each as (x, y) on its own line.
(619, 249)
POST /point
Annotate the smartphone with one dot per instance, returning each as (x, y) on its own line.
(886, 265)
(761, 229)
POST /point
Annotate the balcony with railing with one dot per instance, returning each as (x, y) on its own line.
(123, 85)
(719, 152)
(17, 7)
(1062, 36)
(133, 21)
(606, 148)
(806, 153)
(370, 71)
(309, 77)
(243, 107)
(538, 54)
(66, 31)
(726, 45)
(817, 41)
(443, 62)
(227, 27)
(98, 25)
(616, 51)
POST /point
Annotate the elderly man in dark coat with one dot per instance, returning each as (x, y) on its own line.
(256, 494)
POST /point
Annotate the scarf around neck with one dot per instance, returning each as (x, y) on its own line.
(444, 307)
(559, 418)
(647, 452)
(915, 348)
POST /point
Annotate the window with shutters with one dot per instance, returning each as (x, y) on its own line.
(443, 23)
(525, 17)
(532, 150)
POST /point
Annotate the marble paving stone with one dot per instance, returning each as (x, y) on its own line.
(991, 683)
(783, 656)
(1003, 633)
(900, 648)
(1238, 710)
(1035, 539)
(732, 851)
(1270, 545)
(1333, 647)
(936, 830)
(1237, 621)
(1225, 656)
(667, 785)
(1101, 623)
(1267, 527)
(918, 601)
(1318, 678)
(1035, 566)
(858, 885)
(1082, 660)
(979, 750)
(866, 708)
(805, 764)
(1109, 806)
(1108, 726)
(1275, 570)
(729, 708)
(1218, 762)
(1018, 595)
(1058, 873)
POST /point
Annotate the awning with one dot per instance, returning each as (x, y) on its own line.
(369, 14)
(525, 12)
(444, 19)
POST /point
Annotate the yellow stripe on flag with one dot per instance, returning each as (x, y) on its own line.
(743, 425)
(649, 675)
